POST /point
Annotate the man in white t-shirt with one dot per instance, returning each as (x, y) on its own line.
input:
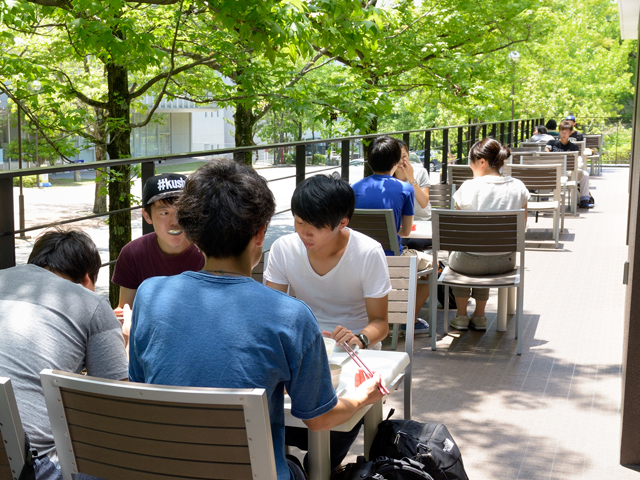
(339, 273)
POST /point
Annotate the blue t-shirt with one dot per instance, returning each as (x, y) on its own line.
(200, 330)
(385, 191)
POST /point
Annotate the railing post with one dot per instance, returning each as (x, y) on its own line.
(147, 170)
(510, 142)
(426, 161)
(472, 140)
(300, 163)
(515, 135)
(484, 131)
(406, 138)
(8, 240)
(345, 159)
(459, 152)
(494, 128)
(445, 152)
(502, 133)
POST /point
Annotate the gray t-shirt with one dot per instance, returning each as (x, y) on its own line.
(49, 322)
(422, 177)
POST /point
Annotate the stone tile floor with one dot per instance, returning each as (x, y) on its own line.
(554, 411)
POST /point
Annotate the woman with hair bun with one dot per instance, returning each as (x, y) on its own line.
(488, 190)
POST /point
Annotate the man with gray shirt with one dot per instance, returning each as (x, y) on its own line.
(48, 320)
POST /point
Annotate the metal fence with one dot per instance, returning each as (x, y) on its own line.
(450, 144)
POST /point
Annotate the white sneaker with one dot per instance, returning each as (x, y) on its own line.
(460, 322)
(478, 322)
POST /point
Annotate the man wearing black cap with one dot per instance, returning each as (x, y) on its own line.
(164, 252)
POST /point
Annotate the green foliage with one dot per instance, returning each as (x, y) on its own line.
(318, 159)
(27, 181)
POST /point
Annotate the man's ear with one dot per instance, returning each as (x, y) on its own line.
(147, 217)
(260, 236)
(343, 223)
(88, 283)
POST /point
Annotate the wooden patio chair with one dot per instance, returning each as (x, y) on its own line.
(117, 430)
(12, 439)
(458, 174)
(403, 272)
(545, 179)
(485, 232)
(594, 142)
(378, 224)
(517, 157)
(441, 195)
(536, 146)
(569, 161)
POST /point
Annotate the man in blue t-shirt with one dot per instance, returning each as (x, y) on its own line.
(381, 190)
(220, 328)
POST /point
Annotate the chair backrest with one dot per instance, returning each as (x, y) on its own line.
(536, 146)
(480, 231)
(569, 160)
(378, 224)
(458, 174)
(594, 142)
(403, 272)
(537, 177)
(114, 430)
(258, 270)
(518, 156)
(581, 145)
(12, 440)
(441, 195)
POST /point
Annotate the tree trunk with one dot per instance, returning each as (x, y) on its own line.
(99, 132)
(244, 121)
(118, 146)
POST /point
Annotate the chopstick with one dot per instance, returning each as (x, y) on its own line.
(368, 373)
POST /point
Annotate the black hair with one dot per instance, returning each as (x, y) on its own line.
(71, 253)
(403, 145)
(491, 150)
(551, 124)
(565, 125)
(165, 201)
(542, 130)
(323, 201)
(223, 206)
(384, 154)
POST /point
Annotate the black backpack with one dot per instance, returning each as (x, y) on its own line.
(382, 468)
(431, 444)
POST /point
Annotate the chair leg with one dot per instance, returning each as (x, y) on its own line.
(445, 325)
(520, 319)
(511, 300)
(394, 336)
(502, 309)
(556, 232)
(433, 309)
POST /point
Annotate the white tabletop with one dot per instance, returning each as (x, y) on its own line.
(390, 365)
(422, 229)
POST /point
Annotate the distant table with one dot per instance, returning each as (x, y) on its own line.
(390, 365)
(423, 229)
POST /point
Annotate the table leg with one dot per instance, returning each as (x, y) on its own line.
(502, 309)
(511, 301)
(319, 456)
(371, 421)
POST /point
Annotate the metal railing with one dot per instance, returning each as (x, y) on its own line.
(432, 139)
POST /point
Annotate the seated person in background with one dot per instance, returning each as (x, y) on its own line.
(418, 178)
(220, 328)
(564, 145)
(540, 135)
(551, 126)
(50, 317)
(382, 191)
(339, 273)
(575, 136)
(164, 252)
(488, 190)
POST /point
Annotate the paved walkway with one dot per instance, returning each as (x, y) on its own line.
(552, 413)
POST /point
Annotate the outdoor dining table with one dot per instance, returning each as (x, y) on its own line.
(422, 229)
(390, 365)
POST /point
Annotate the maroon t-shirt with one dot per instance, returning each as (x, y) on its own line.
(142, 259)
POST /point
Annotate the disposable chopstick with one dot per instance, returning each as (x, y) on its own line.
(368, 373)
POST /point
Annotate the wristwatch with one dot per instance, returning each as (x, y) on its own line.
(414, 183)
(364, 340)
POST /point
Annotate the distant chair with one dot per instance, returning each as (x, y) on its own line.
(12, 439)
(545, 180)
(517, 156)
(403, 272)
(458, 174)
(569, 161)
(483, 231)
(594, 142)
(117, 430)
(536, 146)
(441, 195)
(378, 224)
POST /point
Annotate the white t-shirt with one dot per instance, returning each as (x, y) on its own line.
(422, 177)
(491, 192)
(336, 298)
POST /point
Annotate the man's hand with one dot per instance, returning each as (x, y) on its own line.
(341, 334)
(368, 389)
(407, 168)
(124, 315)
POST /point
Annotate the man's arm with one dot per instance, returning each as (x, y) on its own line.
(378, 313)
(126, 296)
(278, 286)
(405, 225)
(366, 394)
